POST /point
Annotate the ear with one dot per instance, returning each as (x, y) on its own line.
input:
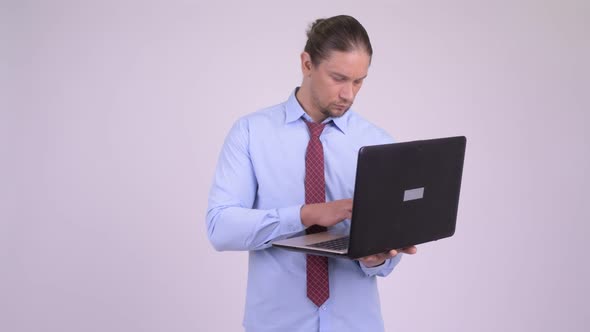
(306, 64)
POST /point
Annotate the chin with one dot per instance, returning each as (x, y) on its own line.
(334, 112)
(338, 113)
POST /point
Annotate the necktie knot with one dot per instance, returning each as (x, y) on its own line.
(315, 129)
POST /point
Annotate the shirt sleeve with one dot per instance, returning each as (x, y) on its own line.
(232, 223)
(382, 270)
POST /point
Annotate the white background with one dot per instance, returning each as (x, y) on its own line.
(113, 114)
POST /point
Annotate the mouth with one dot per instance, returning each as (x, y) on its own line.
(341, 107)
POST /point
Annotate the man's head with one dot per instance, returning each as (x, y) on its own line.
(339, 33)
(334, 63)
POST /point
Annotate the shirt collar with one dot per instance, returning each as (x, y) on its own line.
(294, 112)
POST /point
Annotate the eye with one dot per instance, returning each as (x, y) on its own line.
(339, 78)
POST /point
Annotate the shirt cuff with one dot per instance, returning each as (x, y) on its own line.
(290, 219)
(383, 269)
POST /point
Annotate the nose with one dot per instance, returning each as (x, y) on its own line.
(347, 92)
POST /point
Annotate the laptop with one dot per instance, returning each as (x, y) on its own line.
(405, 194)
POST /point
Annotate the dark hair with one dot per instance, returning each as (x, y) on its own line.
(341, 33)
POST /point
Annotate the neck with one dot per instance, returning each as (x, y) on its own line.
(303, 96)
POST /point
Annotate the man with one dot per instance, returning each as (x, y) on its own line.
(290, 168)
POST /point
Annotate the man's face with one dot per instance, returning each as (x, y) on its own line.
(336, 80)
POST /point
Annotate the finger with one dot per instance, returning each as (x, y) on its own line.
(380, 256)
(385, 255)
(348, 204)
(348, 214)
(410, 250)
(369, 260)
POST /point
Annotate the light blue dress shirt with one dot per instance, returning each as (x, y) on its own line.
(256, 197)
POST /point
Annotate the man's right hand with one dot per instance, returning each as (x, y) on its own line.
(326, 214)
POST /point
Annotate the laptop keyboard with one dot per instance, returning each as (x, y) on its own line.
(336, 244)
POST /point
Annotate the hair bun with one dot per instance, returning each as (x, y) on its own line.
(314, 26)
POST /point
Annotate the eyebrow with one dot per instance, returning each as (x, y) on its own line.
(346, 77)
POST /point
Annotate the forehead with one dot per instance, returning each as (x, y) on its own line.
(353, 64)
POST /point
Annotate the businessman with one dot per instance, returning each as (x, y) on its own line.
(289, 169)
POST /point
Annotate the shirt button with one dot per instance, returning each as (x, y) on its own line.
(324, 307)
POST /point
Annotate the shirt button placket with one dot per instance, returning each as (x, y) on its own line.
(324, 318)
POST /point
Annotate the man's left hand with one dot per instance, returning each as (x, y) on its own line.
(378, 259)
